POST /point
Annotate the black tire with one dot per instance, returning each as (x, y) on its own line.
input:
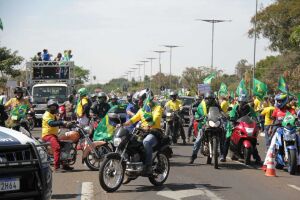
(247, 156)
(292, 161)
(160, 170)
(92, 162)
(103, 173)
(215, 152)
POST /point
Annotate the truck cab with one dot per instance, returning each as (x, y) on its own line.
(49, 80)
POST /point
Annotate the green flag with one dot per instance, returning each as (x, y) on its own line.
(232, 94)
(260, 89)
(241, 89)
(298, 100)
(1, 25)
(208, 79)
(282, 86)
(223, 90)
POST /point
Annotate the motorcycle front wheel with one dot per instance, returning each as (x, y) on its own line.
(111, 172)
(161, 170)
(247, 156)
(92, 162)
(215, 142)
(292, 161)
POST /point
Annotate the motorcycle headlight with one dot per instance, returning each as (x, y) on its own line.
(168, 114)
(43, 155)
(214, 124)
(249, 131)
(117, 142)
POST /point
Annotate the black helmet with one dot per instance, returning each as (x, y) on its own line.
(101, 94)
(209, 95)
(52, 102)
(18, 90)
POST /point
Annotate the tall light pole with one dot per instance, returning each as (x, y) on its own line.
(133, 70)
(171, 47)
(254, 53)
(144, 61)
(139, 65)
(213, 22)
(159, 58)
(151, 59)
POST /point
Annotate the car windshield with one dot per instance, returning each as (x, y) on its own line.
(187, 101)
(43, 93)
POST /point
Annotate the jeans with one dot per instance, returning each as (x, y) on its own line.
(197, 143)
(149, 142)
(191, 126)
(267, 137)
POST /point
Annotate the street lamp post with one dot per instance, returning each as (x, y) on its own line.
(139, 65)
(144, 61)
(159, 58)
(171, 47)
(151, 59)
(133, 70)
(213, 21)
(254, 53)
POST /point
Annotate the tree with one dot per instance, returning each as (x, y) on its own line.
(241, 67)
(81, 75)
(8, 61)
(278, 22)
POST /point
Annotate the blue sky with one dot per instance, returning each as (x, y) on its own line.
(110, 36)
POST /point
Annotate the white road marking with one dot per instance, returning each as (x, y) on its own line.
(87, 191)
(295, 187)
(180, 194)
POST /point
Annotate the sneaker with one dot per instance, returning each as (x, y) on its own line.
(222, 159)
(193, 158)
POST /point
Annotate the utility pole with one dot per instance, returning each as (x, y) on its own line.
(171, 47)
(144, 61)
(151, 59)
(139, 65)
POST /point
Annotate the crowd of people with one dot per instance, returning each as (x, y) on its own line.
(46, 56)
(143, 106)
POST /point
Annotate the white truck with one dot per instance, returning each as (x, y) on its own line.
(49, 80)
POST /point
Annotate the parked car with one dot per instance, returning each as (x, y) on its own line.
(25, 171)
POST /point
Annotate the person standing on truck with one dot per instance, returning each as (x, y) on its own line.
(83, 107)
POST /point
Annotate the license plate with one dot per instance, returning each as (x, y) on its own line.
(9, 184)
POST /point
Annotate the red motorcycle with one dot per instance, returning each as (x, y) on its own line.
(243, 140)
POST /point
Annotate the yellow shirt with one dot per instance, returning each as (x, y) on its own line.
(46, 128)
(256, 105)
(156, 115)
(225, 106)
(13, 102)
(174, 105)
(79, 108)
(267, 112)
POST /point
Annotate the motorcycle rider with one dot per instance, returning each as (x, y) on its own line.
(93, 97)
(83, 107)
(113, 100)
(50, 128)
(129, 97)
(192, 112)
(239, 110)
(18, 100)
(150, 116)
(132, 108)
(100, 107)
(176, 105)
(69, 105)
(202, 111)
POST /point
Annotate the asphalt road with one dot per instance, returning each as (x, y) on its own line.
(233, 180)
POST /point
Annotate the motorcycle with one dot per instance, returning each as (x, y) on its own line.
(212, 134)
(128, 159)
(18, 119)
(173, 121)
(287, 145)
(68, 150)
(243, 140)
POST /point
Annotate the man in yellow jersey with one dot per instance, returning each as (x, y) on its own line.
(267, 113)
(50, 128)
(83, 107)
(224, 104)
(150, 116)
(176, 105)
(15, 102)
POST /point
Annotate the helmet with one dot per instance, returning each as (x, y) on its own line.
(243, 98)
(135, 98)
(209, 95)
(281, 100)
(101, 94)
(129, 95)
(18, 90)
(173, 93)
(146, 93)
(52, 102)
(93, 95)
(82, 92)
(289, 121)
(114, 97)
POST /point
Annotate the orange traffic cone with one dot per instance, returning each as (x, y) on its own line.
(270, 165)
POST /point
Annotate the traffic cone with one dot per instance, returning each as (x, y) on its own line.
(270, 165)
